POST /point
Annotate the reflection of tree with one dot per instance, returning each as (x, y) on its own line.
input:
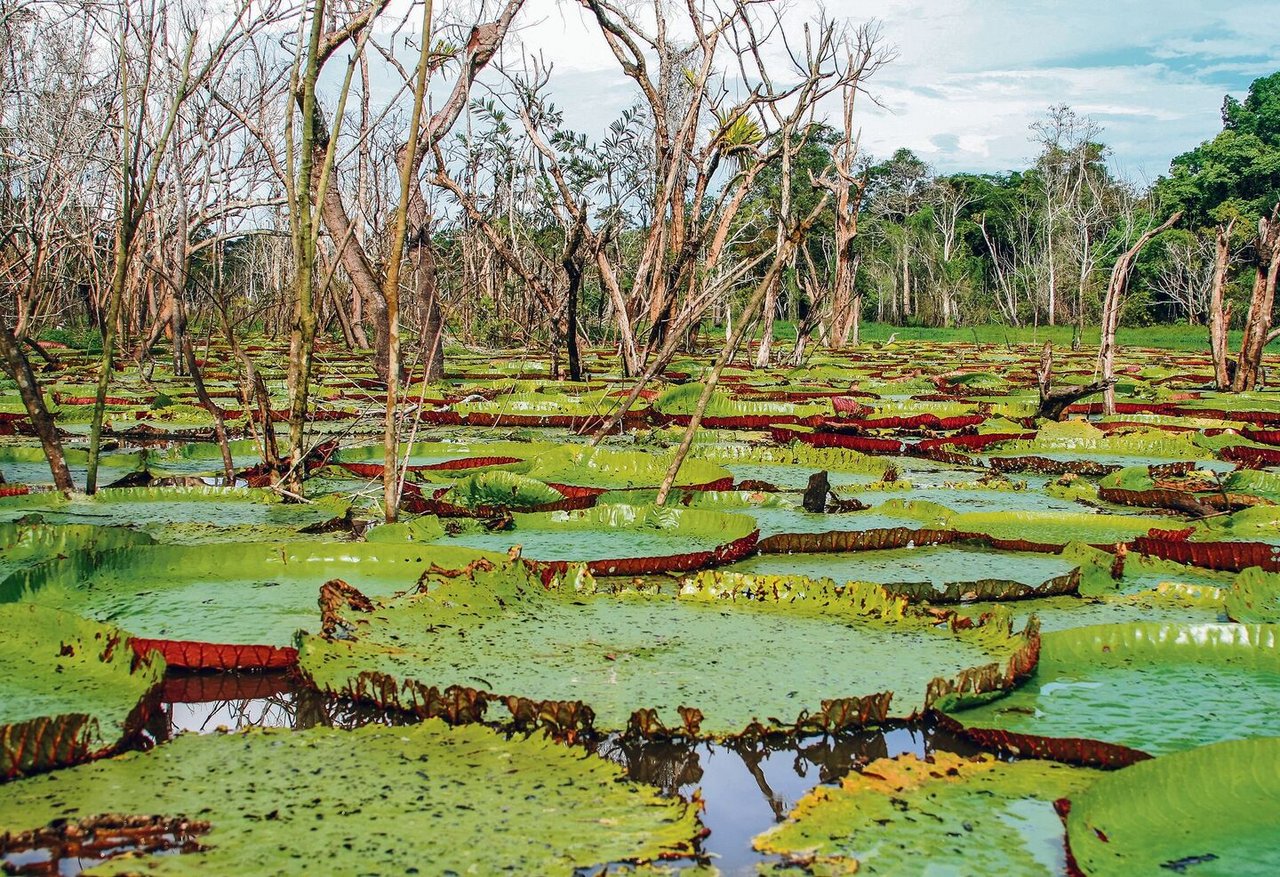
(269, 702)
(753, 753)
(835, 756)
(670, 765)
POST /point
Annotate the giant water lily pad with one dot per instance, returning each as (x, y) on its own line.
(1056, 527)
(1210, 812)
(943, 574)
(793, 456)
(69, 688)
(501, 489)
(617, 470)
(725, 655)
(1154, 687)
(27, 465)
(621, 539)
(1077, 439)
(682, 400)
(946, 815)
(25, 543)
(180, 514)
(256, 594)
(375, 800)
(1254, 597)
(1260, 524)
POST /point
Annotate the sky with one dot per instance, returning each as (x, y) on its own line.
(971, 76)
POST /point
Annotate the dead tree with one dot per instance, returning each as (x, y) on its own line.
(1220, 314)
(1113, 304)
(355, 256)
(864, 56)
(1054, 401)
(1257, 325)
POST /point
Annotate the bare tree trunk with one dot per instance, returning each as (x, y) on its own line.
(422, 259)
(1114, 303)
(1261, 303)
(1220, 316)
(571, 261)
(1054, 401)
(18, 368)
(219, 420)
(906, 277)
(766, 326)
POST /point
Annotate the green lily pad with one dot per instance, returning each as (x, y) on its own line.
(725, 655)
(683, 399)
(1211, 812)
(1085, 441)
(375, 800)
(796, 454)
(947, 815)
(1255, 482)
(1056, 527)
(258, 593)
(69, 688)
(502, 489)
(946, 573)
(1155, 687)
(167, 513)
(617, 470)
(1254, 597)
(1258, 524)
(25, 543)
(647, 538)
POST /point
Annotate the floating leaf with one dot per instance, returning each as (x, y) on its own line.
(501, 489)
(1209, 812)
(189, 601)
(727, 655)
(69, 688)
(932, 570)
(620, 539)
(24, 543)
(375, 800)
(947, 814)
(1155, 687)
(617, 470)
(1254, 597)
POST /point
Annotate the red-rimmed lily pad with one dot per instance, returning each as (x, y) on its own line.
(1154, 687)
(932, 570)
(1254, 597)
(490, 493)
(70, 689)
(620, 539)
(182, 514)
(1211, 811)
(620, 470)
(220, 607)
(26, 543)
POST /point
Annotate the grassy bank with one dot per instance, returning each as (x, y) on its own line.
(1168, 337)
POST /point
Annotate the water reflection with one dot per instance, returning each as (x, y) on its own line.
(746, 785)
(749, 785)
(203, 704)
